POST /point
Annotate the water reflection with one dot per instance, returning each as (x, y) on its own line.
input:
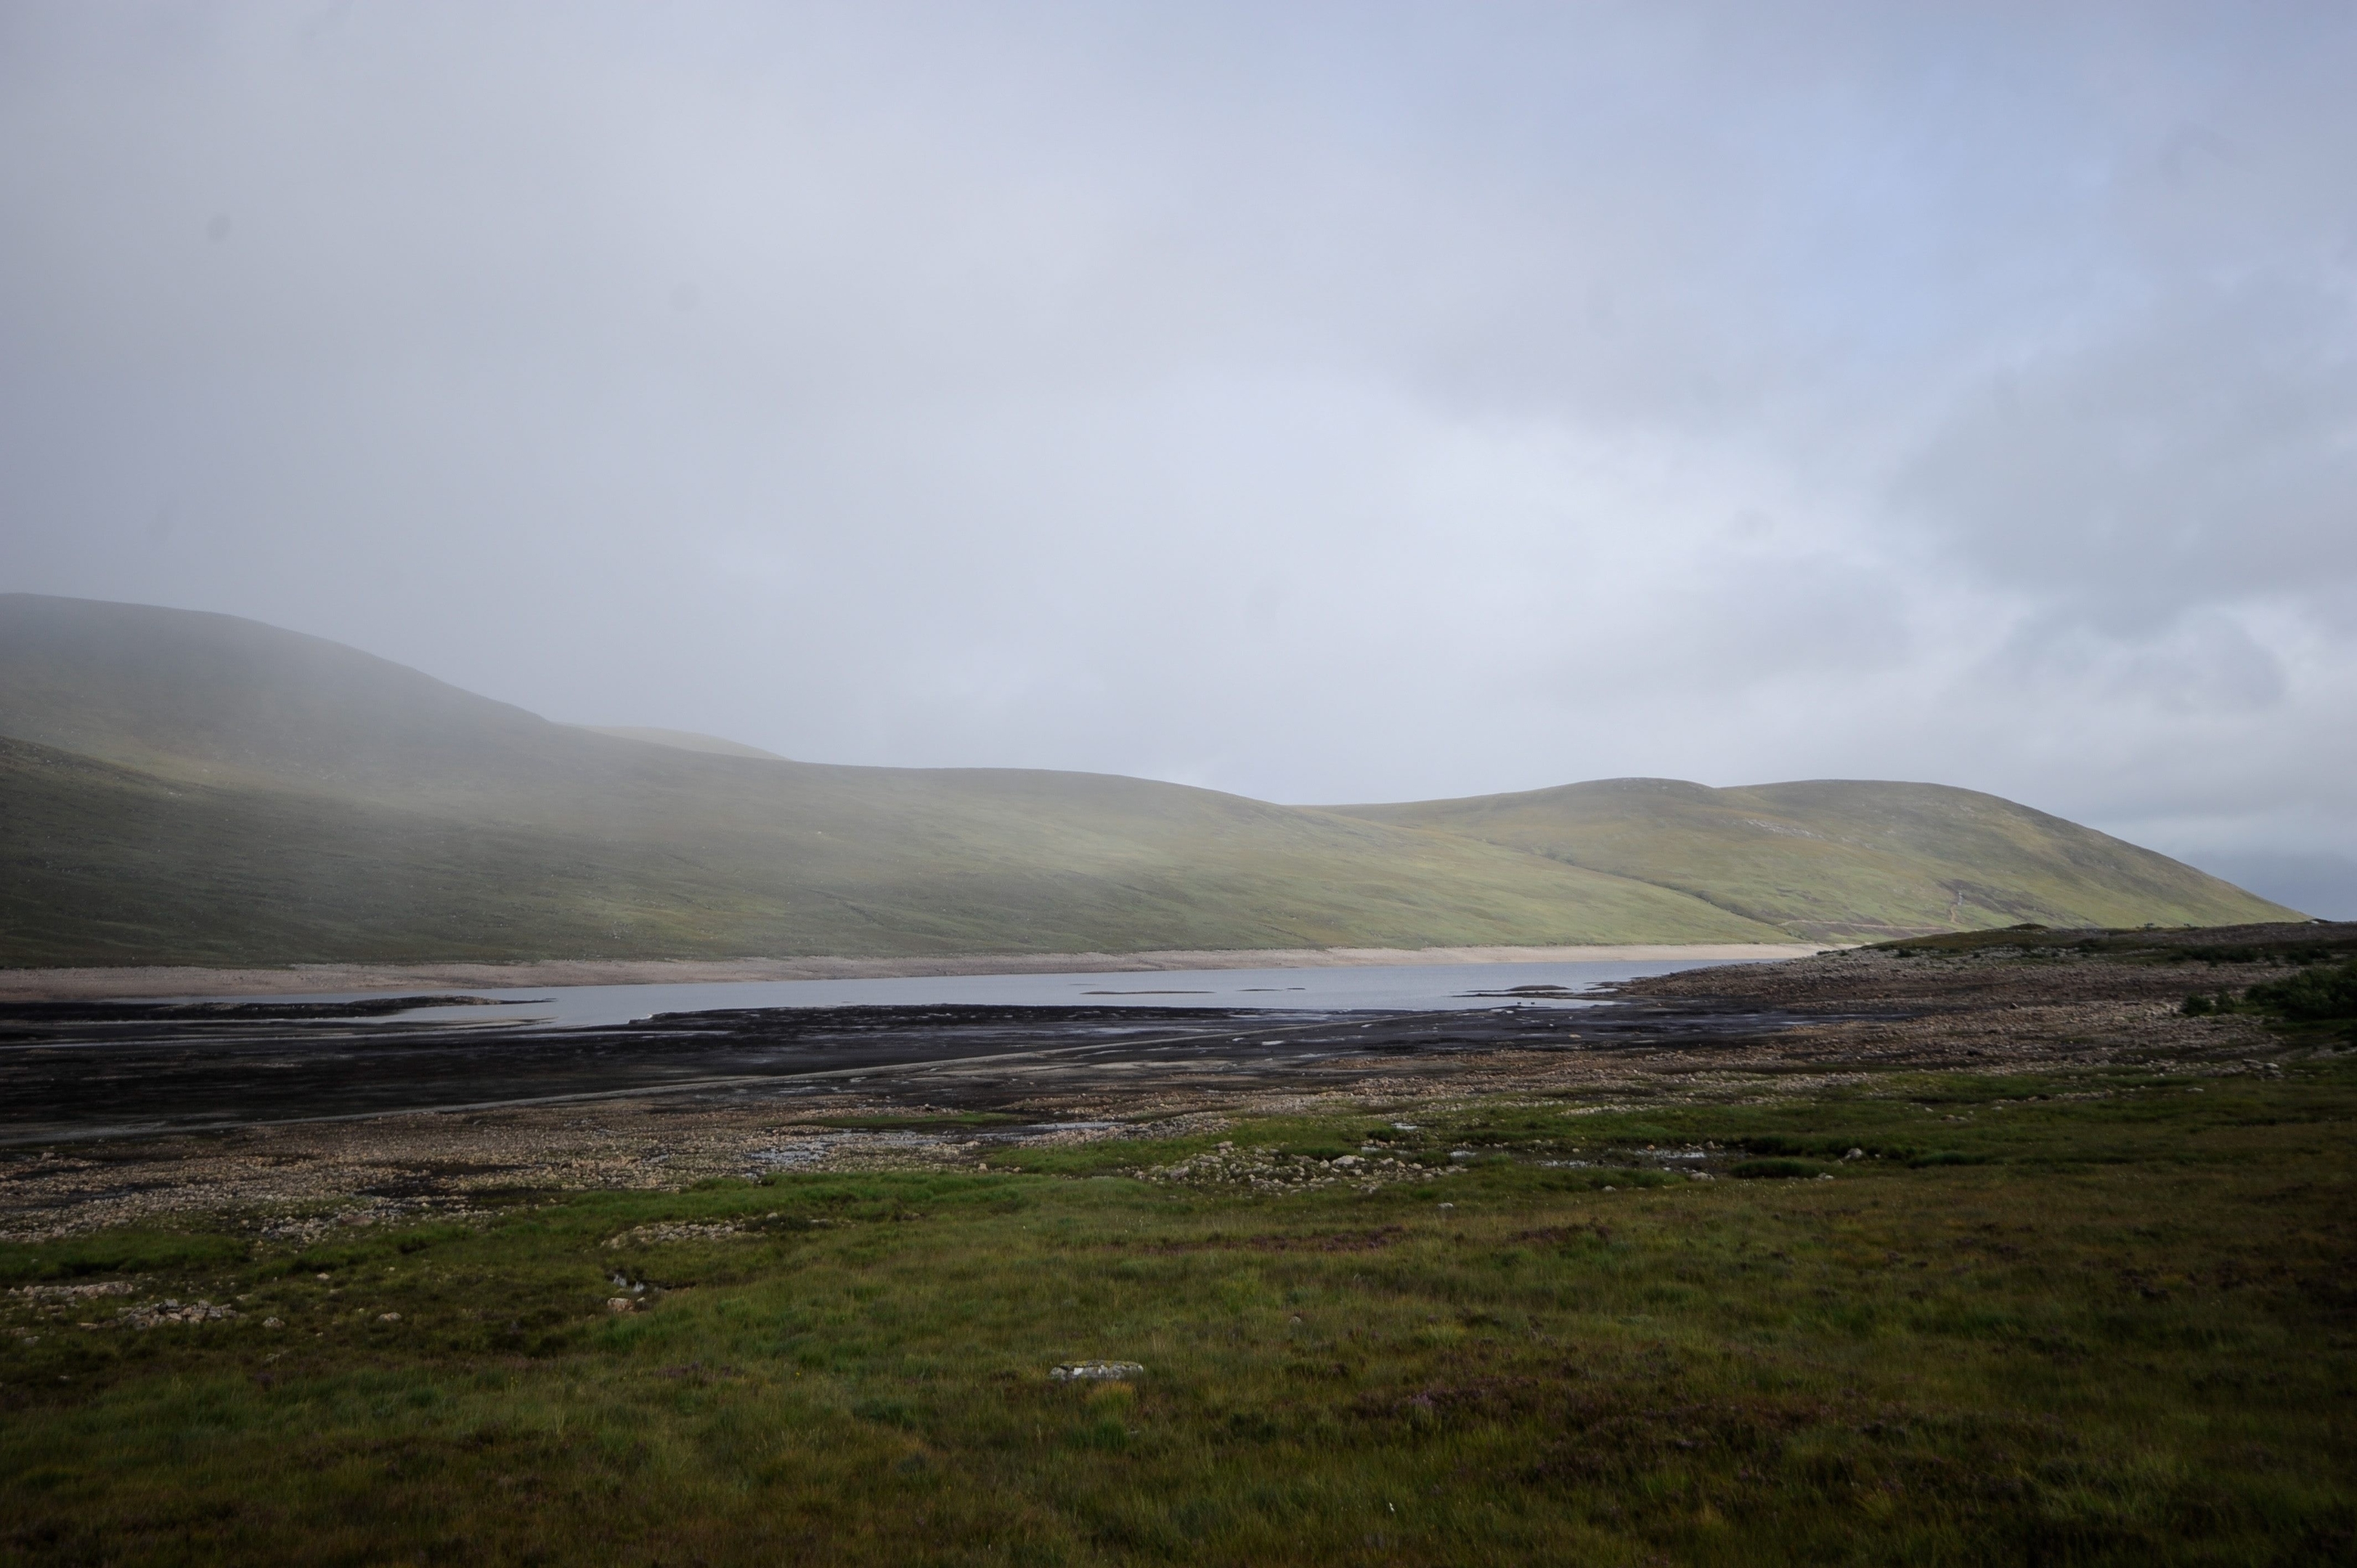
(1376, 987)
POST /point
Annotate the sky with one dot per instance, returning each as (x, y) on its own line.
(1326, 402)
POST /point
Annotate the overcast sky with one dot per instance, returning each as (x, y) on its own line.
(1325, 403)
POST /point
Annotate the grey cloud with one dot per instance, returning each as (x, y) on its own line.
(1321, 402)
(2201, 451)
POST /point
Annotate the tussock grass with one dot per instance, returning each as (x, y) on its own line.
(2122, 1335)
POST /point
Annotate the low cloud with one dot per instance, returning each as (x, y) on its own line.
(1324, 403)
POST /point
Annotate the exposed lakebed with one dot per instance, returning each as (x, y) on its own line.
(77, 1070)
(1377, 987)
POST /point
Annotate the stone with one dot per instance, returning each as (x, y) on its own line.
(1095, 1371)
(620, 1304)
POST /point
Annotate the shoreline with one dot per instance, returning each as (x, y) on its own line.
(149, 982)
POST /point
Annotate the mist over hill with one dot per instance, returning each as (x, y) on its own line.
(180, 787)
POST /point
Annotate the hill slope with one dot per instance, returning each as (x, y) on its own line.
(196, 788)
(1846, 858)
(683, 740)
(179, 787)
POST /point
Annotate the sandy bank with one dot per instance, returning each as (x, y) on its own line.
(85, 985)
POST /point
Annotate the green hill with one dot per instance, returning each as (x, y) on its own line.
(195, 788)
(186, 788)
(683, 740)
(1838, 858)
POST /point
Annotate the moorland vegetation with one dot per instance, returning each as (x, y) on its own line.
(2093, 1304)
(2093, 1317)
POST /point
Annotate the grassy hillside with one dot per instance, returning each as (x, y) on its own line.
(683, 740)
(177, 787)
(198, 789)
(1840, 858)
(106, 864)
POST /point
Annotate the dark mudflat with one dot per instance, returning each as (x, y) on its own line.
(81, 1071)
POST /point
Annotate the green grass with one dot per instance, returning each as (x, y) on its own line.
(105, 863)
(134, 1251)
(1845, 859)
(2088, 1318)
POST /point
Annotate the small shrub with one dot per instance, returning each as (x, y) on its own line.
(1776, 1170)
(1823, 1147)
(2313, 996)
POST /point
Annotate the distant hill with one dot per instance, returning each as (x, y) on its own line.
(196, 788)
(177, 787)
(1845, 859)
(682, 740)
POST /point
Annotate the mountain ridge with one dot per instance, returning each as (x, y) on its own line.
(185, 787)
(1881, 857)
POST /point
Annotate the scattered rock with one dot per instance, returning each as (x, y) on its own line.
(674, 1230)
(155, 1315)
(620, 1304)
(388, 1317)
(274, 1323)
(1087, 1371)
(72, 1292)
(1270, 1171)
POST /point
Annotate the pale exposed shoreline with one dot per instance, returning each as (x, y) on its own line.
(127, 983)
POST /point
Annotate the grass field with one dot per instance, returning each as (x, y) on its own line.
(2097, 1318)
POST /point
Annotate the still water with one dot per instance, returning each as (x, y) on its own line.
(1381, 987)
